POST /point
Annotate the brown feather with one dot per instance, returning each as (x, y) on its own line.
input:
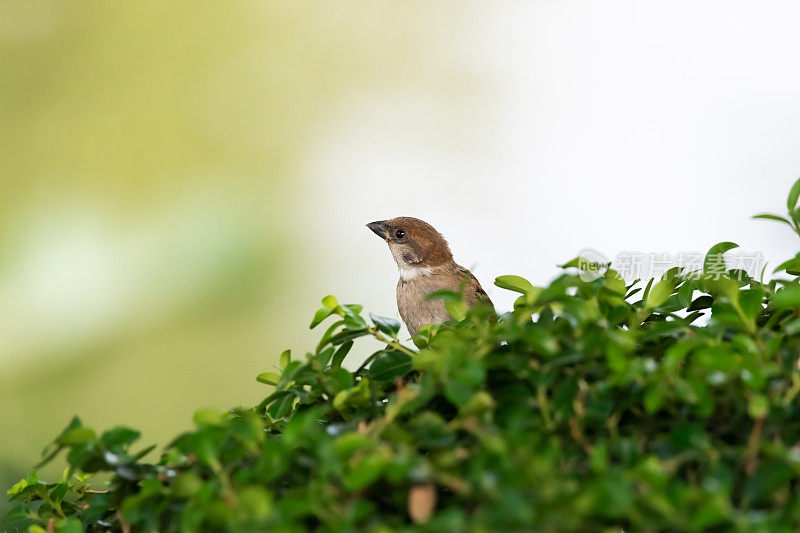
(412, 295)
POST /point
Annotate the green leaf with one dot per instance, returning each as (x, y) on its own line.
(714, 358)
(256, 502)
(768, 478)
(720, 285)
(593, 265)
(614, 282)
(323, 357)
(330, 302)
(792, 327)
(285, 359)
(270, 378)
(750, 301)
(443, 294)
(714, 261)
(420, 341)
(288, 373)
(770, 216)
(685, 292)
(479, 402)
(453, 303)
(653, 398)
(757, 406)
(354, 322)
(456, 308)
(69, 525)
(385, 325)
(208, 416)
(59, 492)
(513, 283)
(341, 378)
(74, 423)
(528, 299)
(282, 405)
(794, 194)
(659, 293)
(347, 335)
(646, 292)
(349, 443)
(353, 397)
(17, 517)
(319, 316)
(119, 436)
(187, 484)
(76, 436)
(341, 352)
(701, 302)
(18, 487)
(787, 297)
(366, 472)
(389, 365)
(328, 334)
(792, 266)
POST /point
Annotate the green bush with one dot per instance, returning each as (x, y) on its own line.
(590, 406)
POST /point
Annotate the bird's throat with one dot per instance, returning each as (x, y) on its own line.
(410, 272)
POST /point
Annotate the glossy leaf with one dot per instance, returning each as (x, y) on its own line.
(513, 283)
(329, 302)
(770, 216)
(320, 315)
(659, 293)
(792, 266)
(385, 325)
(285, 359)
(794, 194)
(270, 378)
(714, 260)
(341, 353)
(787, 297)
(389, 365)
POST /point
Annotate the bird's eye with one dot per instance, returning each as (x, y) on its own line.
(399, 234)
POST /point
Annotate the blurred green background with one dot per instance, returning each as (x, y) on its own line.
(156, 251)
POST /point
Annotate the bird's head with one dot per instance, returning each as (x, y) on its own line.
(413, 242)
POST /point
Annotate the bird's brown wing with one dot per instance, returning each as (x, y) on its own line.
(473, 292)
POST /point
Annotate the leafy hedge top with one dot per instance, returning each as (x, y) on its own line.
(586, 407)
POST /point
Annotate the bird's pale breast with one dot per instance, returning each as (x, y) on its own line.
(415, 308)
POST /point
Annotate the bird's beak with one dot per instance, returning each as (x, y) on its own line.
(379, 229)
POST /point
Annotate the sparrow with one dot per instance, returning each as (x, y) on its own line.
(426, 265)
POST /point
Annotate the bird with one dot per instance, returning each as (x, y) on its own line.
(426, 265)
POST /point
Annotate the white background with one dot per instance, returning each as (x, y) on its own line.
(612, 125)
